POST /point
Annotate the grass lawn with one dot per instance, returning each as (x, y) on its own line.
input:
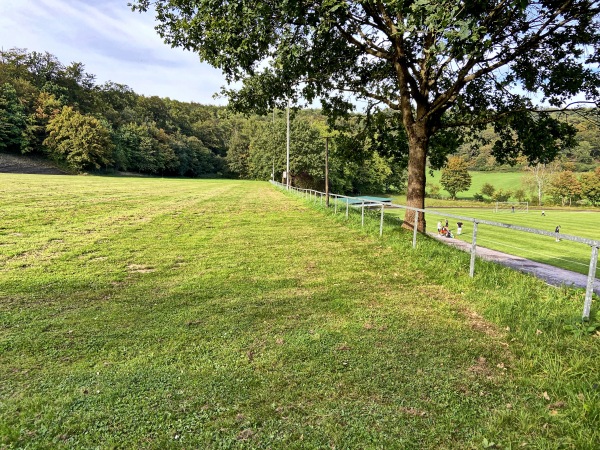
(507, 181)
(162, 313)
(565, 254)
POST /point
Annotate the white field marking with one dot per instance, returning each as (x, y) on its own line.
(534, 253)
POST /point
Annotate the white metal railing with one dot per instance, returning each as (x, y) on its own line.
(362, 204)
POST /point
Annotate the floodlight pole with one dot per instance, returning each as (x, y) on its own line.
(287, 167)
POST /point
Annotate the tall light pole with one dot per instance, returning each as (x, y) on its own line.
(287, 167)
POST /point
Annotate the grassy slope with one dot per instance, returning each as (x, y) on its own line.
(508, 181)
(194, 314)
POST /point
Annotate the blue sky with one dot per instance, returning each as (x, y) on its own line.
(112, 42)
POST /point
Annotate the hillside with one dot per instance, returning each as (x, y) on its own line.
(27, 164)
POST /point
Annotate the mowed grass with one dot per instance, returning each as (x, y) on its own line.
(566, 254)
(507, 181)
(157, 313)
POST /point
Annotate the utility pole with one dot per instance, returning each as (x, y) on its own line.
(326, 170)
(287, 167)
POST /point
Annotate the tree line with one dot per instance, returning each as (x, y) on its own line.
(551, 184)
(60, 112)
(584, 156)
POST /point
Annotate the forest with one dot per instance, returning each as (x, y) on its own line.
(61, 113)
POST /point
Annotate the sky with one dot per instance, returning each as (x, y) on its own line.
(113, 43)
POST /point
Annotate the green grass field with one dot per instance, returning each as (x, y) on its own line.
(508, 181)
(566, 254)
(163, 313)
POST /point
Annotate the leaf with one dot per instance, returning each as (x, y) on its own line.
(546, 396)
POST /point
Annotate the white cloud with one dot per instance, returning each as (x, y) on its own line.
(112, 42)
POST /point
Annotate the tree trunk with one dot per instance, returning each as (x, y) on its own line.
(415, 194)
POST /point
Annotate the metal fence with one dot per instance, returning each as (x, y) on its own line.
(362, 204)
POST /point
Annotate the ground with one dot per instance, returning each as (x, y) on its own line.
(27, 164)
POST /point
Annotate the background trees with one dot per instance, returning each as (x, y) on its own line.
(590, 186)
(564, 186)
(57, 111)
(13, 121)
(171, 138)
(82, 141)
(448, 68)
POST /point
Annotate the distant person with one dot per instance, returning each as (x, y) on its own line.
(543, 212)
(557, 230)
(446, 223)
(439, 226)
(512, 209)
(459, 228)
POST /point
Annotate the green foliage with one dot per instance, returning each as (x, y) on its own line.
(307, 153)
(150, 135)
(488, 189)
(13, 120)
(502, 195)
(564, 187)
(455, 176)
(520, 195)
(445, 69)
(590, 186)
(581, 328)
(82, 141)
(238, 150)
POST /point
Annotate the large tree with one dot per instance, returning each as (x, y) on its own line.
(564, 186)
(441, 64)
(82, 141)
(455, 176)
(590, 186)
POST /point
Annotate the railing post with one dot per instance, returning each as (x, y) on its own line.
(347, 206)
(335, 204)
(415, 228)
(381, 223)
(473, 250)
(321, 199)
(362, 217)
(590, 283)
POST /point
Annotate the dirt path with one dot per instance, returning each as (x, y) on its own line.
(551, 274)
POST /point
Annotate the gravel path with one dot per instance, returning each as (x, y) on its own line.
(551, 274)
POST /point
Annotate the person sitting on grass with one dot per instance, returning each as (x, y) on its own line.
(446, 232)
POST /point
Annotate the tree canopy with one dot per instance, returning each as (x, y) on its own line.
(445, 67)
(57, 111)
(455, 176)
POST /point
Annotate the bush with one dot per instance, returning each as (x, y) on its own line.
(501, 195)
(488, 189)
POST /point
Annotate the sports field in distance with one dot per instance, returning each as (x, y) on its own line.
(507, 181)
(165, 313)
(566, 254)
